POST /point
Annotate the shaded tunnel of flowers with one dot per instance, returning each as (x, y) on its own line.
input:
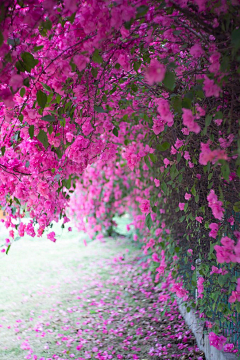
(129, 107)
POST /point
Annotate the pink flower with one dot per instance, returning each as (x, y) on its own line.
(215, 64)
(81, 61)
(156, 182)
(155, 257)
(123, 60)
(226, 253)
(199, 219)
(231, 220)
(186, 155)
(216, 341)
(218, 122)
(16, 82)
(164, 111)
(179, 143)
(145, 206)
(196, 51)
(155, 72)
(190, 251)
(235, 296)
(166, 162)
(214, 230)
(71, 5)
(216, 270)
(200, 287)
(215, 205)
(210, 88)
(187, 196)
(228, 347)
(181, 206)
(51, 236)
(185, 131)
(188, 121)
(158, 125)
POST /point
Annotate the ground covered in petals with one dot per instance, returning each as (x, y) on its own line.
(66, 301)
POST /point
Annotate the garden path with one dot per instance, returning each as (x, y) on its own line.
(66, 301)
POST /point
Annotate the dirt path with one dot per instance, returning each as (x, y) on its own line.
(72, 302)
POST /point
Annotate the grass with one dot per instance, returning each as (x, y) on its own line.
(39, 277)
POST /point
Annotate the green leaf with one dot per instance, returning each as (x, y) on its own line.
(68, 183)
(46, 24)
(169, 80)
(41, 98)
(3, 149)
(22, 92)
(29, 61)
(225, 170)
(128, 24)
(48, 118)
(99, 109)
(176, 102)
(221, 280)
(177, 249)
(134, 87)
(94, 72)
(26, 82)
(164, 187)
(96, 57)
(31, 131)
(148, 221)
(27, 164)
(193, 190)
(238, 171)
(218, 115)
(142, 10)
(46, 87)
(8, 249)
(1, 38)
(163, 146)
(146, 159)
(58, 98)
(173, 172)
(154, 209)
(235, 38)
(50, 129)
(136, 65)
(115, 132)
(236, 206)
(42, 137)
(37, 48)
(186, 103)
(153, 157)
(208, 120)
